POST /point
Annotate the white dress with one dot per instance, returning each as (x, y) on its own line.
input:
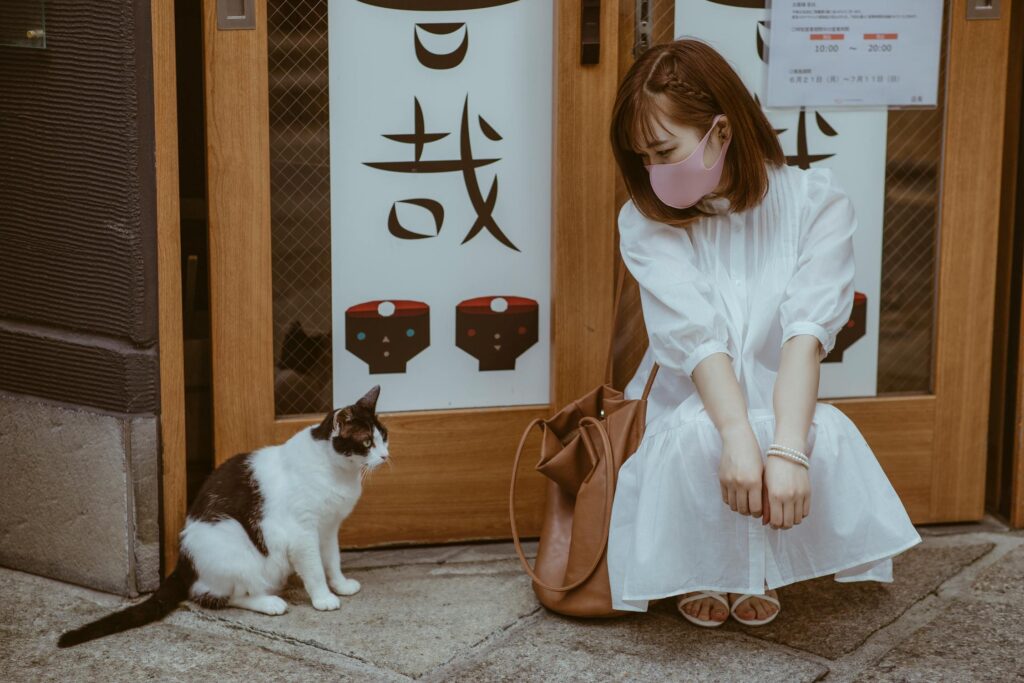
(743, 284)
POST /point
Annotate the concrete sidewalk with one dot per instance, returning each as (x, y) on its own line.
(467, 613)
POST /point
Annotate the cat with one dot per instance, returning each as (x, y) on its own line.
(262, 516)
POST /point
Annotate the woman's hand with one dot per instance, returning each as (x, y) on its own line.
(788, 487)
(795, 395)
(739, 471)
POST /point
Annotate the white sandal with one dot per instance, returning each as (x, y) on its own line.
(706, 623)
(755, 622)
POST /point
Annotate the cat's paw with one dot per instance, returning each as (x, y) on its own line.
(326, 603)
(273, 605)
(345, 587)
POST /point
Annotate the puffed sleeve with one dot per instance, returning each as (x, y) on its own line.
(819, 298)
(683, 325)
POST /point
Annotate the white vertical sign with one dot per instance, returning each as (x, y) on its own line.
(441, 139)
(851, 143)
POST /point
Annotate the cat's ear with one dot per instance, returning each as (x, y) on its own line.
(369, 402)
(325, 429)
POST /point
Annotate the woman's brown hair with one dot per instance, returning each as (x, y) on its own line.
(697, 84)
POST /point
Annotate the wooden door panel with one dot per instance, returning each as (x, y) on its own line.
(900, 431)
(972, 166)
(451, 469)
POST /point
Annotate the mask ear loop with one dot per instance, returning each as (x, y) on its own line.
(704, 143)
(699, 148)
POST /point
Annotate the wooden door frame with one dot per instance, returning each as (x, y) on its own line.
(1013, 180)
(170, 335)
(470, 501)
(969, 236)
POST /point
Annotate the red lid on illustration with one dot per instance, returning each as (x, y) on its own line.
(497, 305)
(373, 309)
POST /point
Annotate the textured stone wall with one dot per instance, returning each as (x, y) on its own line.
(79, 380)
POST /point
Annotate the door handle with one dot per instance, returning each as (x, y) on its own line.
(590, 32)
(982, 9)
(642, 27)
(236, 14)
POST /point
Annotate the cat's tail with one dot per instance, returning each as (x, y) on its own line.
(171, 593)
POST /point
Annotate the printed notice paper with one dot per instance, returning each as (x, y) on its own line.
(863, 53)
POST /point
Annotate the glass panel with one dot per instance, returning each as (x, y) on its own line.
(300, 188)
(23, 23)
(441, 201)
(913, 168)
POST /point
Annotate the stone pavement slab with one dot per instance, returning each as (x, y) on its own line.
(831, 619)
(490, 552)
(1004, 578)
(971, 642)
(409, 619)
(642, 648)
(391, 557)
(988, 523)
(467, 613)
(184, 647)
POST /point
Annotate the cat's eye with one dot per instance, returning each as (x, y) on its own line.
(368, 443)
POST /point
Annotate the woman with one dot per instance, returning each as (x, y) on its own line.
(743, 482)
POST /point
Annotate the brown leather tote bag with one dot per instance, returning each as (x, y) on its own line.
(583, 447)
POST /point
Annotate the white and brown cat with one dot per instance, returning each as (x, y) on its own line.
(262, 516)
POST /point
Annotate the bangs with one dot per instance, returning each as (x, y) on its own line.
(639, 123)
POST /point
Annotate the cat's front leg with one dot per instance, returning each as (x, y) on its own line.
(305, 559)
(332, 564)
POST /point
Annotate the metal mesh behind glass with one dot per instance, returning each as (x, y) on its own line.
(910, 243)
(300, 192)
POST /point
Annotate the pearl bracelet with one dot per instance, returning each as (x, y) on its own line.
(790, 454)
(786, 449)
(792, 458)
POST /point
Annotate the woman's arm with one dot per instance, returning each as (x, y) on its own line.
(740, 470)
(794, 398)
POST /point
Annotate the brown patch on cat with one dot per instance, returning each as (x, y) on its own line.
(210, 601)
(232, 493)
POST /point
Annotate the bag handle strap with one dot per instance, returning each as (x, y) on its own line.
(609, 498)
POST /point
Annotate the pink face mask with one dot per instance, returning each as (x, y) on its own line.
(684, 183)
